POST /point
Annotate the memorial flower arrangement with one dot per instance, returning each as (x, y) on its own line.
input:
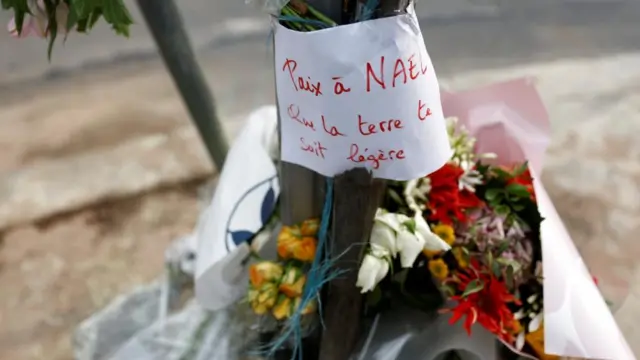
(488, 271)
(463, 241)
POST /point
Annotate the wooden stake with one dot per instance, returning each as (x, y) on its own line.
(356, 198)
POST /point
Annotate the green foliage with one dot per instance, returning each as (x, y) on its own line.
(82, 15)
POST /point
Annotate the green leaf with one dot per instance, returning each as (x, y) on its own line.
(503, 247)
(473, 287)
(502, 210)
(492, 194)
(72, 19)
(518, 190)
(19, 19)
(116, 13)
(509, 275)
(80, 8)
(521, 169)
(411, 225)
(501, 173)
(374, 297)
(94, 17)
(495, 268)
(395, 197)
(517, 207)
(52, 26)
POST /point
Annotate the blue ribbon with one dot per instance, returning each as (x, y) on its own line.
(321, 273)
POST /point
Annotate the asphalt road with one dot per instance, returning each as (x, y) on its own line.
(458, 33)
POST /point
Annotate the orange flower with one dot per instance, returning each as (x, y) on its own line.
(305, 249)
(287, 239)
(293, 282)
(264, 271)
(310, 227)
(536, 341)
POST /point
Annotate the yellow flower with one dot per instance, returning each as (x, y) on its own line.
(445, 232)
(311, 307)
(293, 282)
(310, 227)
(264, 271)
(438, 268)
(283, 308)
(536, 341)
(287, 239)
(262, 299)
(461, 257)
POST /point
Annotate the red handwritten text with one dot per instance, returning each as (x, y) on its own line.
(331, 130)
(366, 128)
(339, 87)
(422, 112)
(294, 113)
(403, 71)
(374, 159)
(314, 147)
(299, 83)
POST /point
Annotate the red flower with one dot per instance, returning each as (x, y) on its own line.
(446, 200)
(487, 305)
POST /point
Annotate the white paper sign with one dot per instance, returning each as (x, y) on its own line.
(360, 95)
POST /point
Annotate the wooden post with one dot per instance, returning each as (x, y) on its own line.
(164, 21)
(356, 198)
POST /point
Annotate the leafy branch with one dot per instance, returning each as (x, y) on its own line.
(49, 18)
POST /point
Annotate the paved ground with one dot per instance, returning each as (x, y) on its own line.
(121, 102)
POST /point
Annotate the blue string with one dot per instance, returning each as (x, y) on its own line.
(321, 273)
(368, 10)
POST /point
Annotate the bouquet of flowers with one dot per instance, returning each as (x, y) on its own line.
(474, 228)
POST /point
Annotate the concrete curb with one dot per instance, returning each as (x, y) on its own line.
(72, 183)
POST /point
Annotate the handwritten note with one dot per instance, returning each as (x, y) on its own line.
(360, 95)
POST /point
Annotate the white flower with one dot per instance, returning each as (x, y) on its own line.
(410, 246)
(470, 178)
(535, 322)
(432, 242)
(520, 341)
(374, 267)
(392, 220)
(417, 190)
(384, 236)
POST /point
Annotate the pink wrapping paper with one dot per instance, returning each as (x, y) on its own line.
(510, 120)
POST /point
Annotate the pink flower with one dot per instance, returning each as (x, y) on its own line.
(37, 23)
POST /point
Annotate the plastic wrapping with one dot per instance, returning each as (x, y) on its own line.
(410, 334)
